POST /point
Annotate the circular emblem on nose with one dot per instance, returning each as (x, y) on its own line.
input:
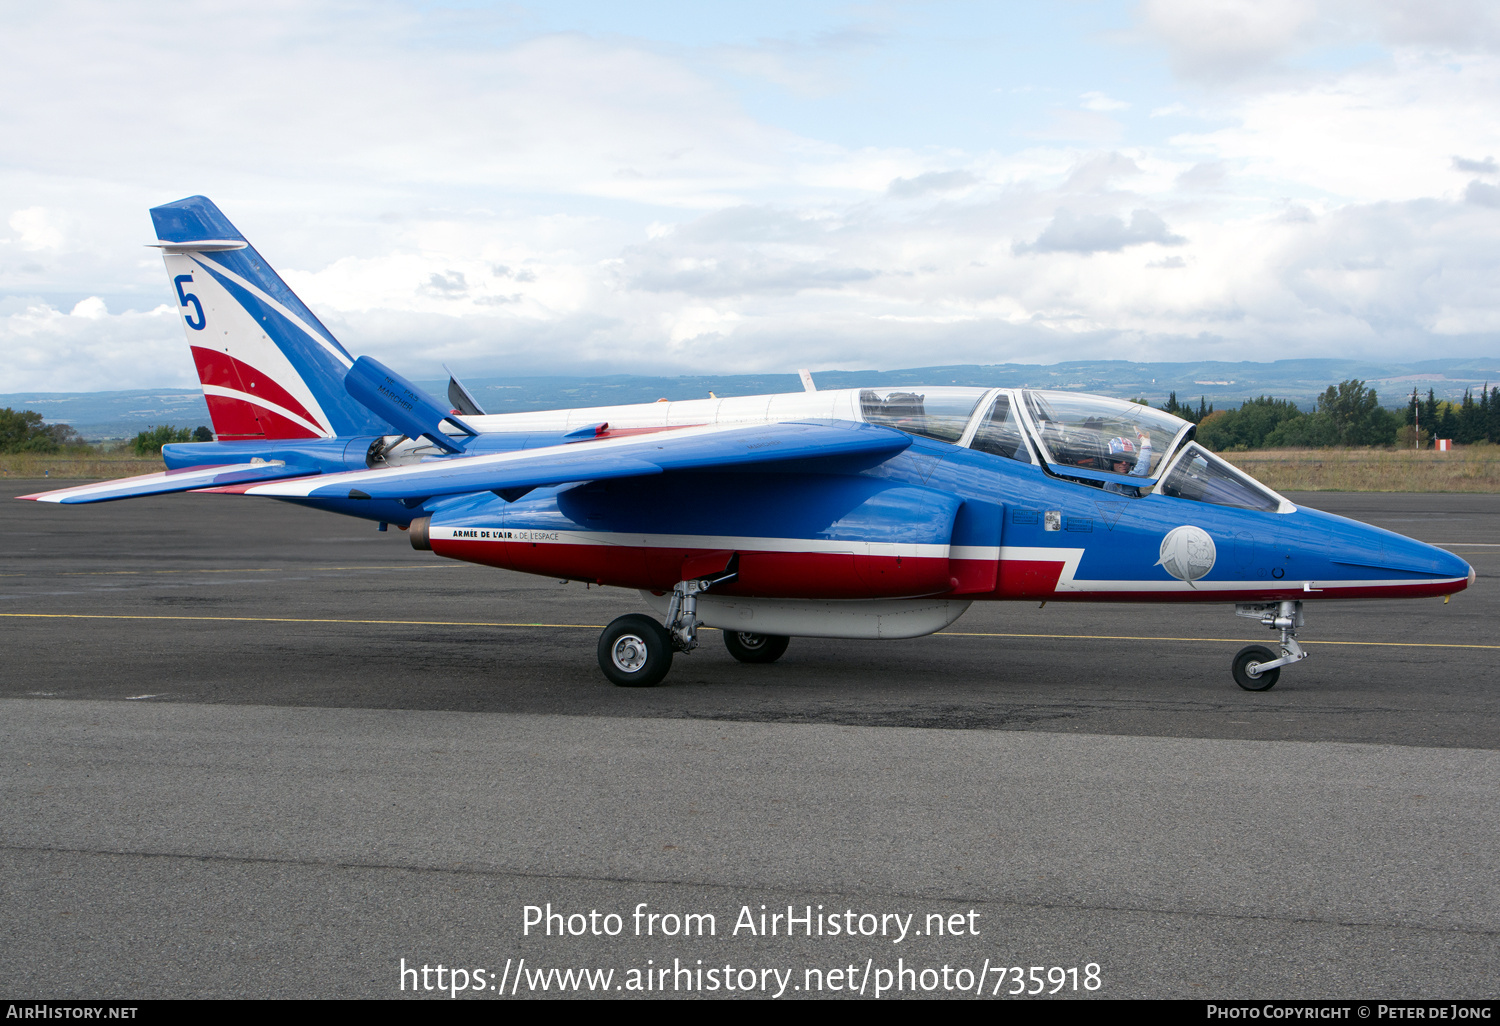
(1187, 553)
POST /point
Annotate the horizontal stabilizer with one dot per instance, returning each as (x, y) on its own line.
(171, 481)
(390, 396)
(703, 448)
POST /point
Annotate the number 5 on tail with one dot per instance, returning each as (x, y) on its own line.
(184, 298)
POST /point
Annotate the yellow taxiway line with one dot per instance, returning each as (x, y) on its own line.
(247, 570)
(296, 619)
(1236, 641)
(598, 626)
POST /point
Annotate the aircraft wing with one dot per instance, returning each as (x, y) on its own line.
(170, 481)
(696, 448)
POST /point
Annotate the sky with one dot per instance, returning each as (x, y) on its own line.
(638, 187)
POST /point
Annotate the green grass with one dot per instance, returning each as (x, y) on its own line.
(1473, 468)
(77, 465)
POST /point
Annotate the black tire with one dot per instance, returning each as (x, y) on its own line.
(1264, 681)
(755, 648)
(635, 651)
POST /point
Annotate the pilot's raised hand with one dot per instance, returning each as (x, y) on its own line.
(1142, 466)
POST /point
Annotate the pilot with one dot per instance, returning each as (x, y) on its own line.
(1130, 460)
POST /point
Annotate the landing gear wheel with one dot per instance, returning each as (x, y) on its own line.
(1263, 681)
(755, 648)
(635, 651)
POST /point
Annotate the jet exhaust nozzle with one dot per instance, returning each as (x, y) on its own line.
(417, 531)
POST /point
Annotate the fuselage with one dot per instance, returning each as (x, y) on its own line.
(1003, 494)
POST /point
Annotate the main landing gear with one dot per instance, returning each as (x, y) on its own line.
(636, 652)
(755, 648)
(1255, 667)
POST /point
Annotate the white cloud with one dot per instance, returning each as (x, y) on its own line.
(1204, 175)
(1462, 25)
(37, 229)
(1223, 39)
(557, 113)
(90, 349)
(569, 202)
(1080, 125)
(93, 308)
(1100, 233)
(1099, 101)
(1365, 135)
(932, 181)
(693, 323)
(1483, 194)
(1099, 172)
(805, 69)
(1486, 166)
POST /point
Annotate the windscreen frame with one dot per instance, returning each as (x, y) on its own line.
(1013, 396)
(1086, 476)
(1284, 505)
(981, 395)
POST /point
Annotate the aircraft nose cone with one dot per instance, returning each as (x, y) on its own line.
(1407, 554)
(1360, 549)
(1460, 568)
(1403, 553)
(1444, 564)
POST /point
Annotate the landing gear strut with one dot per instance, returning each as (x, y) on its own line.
(1255, 667)
(636, 652)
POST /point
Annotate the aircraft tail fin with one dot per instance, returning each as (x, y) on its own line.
(269, 367)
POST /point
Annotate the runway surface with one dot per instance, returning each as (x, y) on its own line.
(250, 749)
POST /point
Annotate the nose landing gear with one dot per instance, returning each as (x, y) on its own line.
(1255, 667)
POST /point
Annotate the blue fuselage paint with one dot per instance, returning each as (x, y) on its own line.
(984, 508)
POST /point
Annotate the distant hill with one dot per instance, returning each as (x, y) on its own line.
(1220, 383)
(119, 414)
(100, 415)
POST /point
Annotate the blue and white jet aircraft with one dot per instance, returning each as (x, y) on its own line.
(855, 513)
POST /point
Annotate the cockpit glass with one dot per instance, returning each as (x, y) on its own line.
(1098, 433)
(1000, 433)
(1202, 476)
(940, 413)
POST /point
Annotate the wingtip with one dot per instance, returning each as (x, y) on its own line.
(55, 495)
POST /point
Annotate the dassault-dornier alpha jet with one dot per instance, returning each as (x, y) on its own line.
(855, 513)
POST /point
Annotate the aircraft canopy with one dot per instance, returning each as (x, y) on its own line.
(941, 413)
(1086, 431)
(1071, 429)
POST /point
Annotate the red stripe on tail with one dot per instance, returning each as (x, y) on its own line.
(236, 419)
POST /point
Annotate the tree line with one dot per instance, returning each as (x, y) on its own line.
(1347, 414)
(1465, 422)
(23, 431)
